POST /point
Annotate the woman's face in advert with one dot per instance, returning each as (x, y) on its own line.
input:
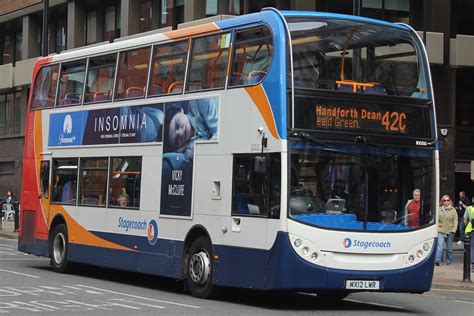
(180, 131)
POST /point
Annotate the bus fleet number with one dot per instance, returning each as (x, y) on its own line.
(394, 121)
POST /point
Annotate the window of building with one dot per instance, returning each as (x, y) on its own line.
(91, 27)
(61, 36)
(235, 7)
(18, 46)
(146, 15)
(125, 179)
(388, 10)
(211, 7)
(71, 83)
(44, 178)
(208, 63)
(10, 111)
(132, 73)
(7, 167)
(169, 67)
(64, 188)
(335, 6)
(111, 23)
(258, 5)
(93, 181)
(6, 50)
(44, 90)
(3, 115)
(256, 185)
(253, 51)
(100, 78)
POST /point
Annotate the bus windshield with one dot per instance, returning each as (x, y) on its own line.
(356, 57)
(361, 186)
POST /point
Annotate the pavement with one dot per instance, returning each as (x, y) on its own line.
(445, 276)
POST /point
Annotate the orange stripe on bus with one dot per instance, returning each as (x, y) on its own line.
(79, 235)
(209, 27)
(38, 141)
(259, 97)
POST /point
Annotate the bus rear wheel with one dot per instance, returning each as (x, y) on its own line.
(59, 249)
(199, 268)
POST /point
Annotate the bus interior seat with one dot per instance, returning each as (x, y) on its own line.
(155, 89)
(134, 92)
(101, 96)
(375, 90)
(71, 98)
(175, 87)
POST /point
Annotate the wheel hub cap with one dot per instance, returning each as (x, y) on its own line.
(200, 267)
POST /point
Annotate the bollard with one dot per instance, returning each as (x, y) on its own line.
(16, 207)
(466, 275)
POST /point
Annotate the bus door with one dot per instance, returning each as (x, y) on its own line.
(255, 200)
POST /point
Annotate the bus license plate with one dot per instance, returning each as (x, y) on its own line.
(362, 285)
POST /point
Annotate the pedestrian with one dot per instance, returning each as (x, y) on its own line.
(463, 203)
(469, 222)
(9, 198)
(447, 226)
(412, 209)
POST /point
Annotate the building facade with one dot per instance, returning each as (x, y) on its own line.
(447, 25)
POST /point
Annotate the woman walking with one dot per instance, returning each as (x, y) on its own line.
(447, 226)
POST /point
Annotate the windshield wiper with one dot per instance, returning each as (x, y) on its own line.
(312, 139)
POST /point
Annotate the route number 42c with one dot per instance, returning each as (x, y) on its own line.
(394, 121)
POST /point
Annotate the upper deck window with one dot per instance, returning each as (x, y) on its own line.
(356, 57)
(132, 74)
(208, 64)
(169, 67)
(100, 78)
(71, 84)
(253, 52)
(44, 90)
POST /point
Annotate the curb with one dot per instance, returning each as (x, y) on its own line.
(461, 286)
(8, 235)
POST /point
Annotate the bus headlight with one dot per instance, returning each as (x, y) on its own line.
(298, 243)
(419, 253)
(305, 251)
(314, 256)
(411, 258)
(426, 246)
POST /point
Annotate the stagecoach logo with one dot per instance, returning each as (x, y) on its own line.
(65, 137)
(152, 232)
(347, 242)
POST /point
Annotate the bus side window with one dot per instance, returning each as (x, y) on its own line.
(256, 191)
(252, 56)
(64, 181)
(208, 64)
(71, 84)
(168, 68)
(44, 178)
(132, 74)
(93, 181)
(44, 90)
(125, 182)
(100, 78)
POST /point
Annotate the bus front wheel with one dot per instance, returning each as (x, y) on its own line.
(59, 249)
(199, 268)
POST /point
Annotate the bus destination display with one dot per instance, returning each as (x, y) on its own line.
(354, 117)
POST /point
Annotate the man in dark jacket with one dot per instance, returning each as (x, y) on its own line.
(463, 203)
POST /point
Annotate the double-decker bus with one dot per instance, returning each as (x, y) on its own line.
(272, 151)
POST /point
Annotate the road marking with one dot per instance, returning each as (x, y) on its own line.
(136, 296)
(24, 274)
(376, 304)
(471, 303)
(138, 303)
